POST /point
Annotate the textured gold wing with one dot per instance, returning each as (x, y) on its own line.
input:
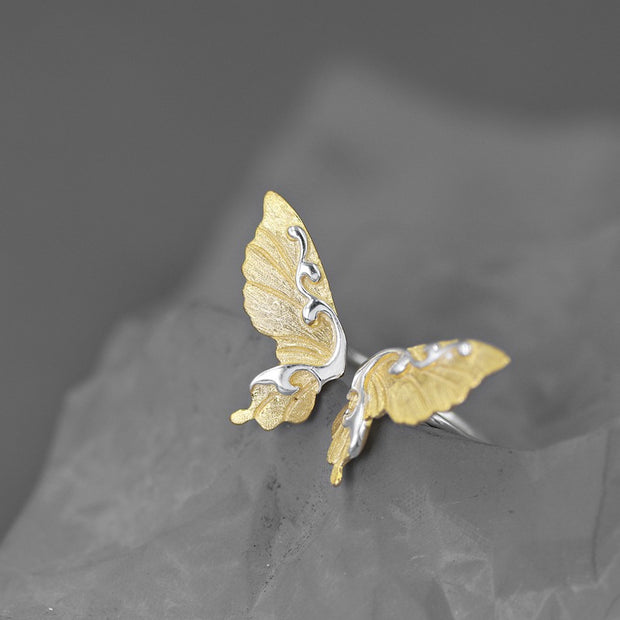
(272, 299)
(276, 293)
(410, 385)
(270, 408)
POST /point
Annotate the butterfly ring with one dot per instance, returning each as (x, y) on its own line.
(287, 297)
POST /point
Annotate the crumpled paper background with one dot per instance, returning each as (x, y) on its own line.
(432, 222)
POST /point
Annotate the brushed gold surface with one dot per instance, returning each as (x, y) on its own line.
(275, 304)
(415, 394)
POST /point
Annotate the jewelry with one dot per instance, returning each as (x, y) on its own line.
(287, 297)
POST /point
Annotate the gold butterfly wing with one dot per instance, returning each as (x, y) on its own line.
(287, 298)
(410, 385)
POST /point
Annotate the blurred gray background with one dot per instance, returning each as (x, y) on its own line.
(126, 126)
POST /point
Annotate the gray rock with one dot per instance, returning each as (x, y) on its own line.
(431, 223)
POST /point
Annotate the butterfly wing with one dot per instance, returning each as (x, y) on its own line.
(287, 298)
(420, 391)
(410, 385)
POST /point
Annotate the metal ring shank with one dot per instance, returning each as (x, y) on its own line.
(355, 357)
(450, 421)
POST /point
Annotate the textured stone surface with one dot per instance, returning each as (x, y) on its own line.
(434, 224)
(155, 506)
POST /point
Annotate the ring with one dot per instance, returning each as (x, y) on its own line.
(287, 297)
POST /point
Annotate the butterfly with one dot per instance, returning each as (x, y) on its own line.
(287, 297)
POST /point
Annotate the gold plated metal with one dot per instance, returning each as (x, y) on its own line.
(287, 298)
(410, 385)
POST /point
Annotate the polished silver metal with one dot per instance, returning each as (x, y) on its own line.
(353, 419)
(446, 420)
(280, 375)
(433, 352)
(450, 421)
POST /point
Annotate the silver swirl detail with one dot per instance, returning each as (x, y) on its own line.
(280, 375)
(353, 419)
